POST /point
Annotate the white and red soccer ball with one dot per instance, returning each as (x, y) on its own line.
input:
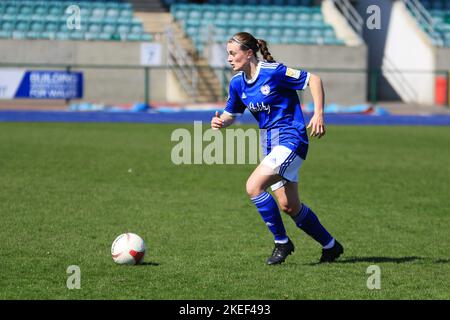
(128, 248)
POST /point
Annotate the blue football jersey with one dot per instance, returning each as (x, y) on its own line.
(272, 99)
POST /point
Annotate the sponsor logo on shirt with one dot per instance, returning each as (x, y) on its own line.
(293, 73)
(259, 107)
(243, 95)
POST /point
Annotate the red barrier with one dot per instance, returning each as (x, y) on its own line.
(441, 90)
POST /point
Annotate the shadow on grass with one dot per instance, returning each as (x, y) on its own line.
(374, 260)
(442, 261)
(149, 263)
(379, 259)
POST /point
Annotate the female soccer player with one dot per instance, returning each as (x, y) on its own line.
(268, 90)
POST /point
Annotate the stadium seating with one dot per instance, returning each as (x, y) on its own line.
(216, 21)
(440, 12)
(100, 20)
(247, 2)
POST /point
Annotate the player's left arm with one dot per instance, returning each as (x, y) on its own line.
(316, 123)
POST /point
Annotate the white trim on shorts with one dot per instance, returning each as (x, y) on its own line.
(285, 162)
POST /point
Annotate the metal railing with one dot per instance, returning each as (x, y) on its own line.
(352, 16)
(182, 64)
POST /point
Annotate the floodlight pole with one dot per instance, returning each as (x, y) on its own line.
(68, 69)
(147, 83)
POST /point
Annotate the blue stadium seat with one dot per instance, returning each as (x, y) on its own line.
(123, 28)
(194, 15)
(273, 40)
(275, 32)
(303, 33)
(4, 34)
(95, 28)
(126, 13)
(108, 28)
(51, 27)
(222, 15)
(55, 11)
(287, 40)
(19, 35)
(40, 10)
(22, 25)
(235, 16)
(7, 26)
(264, 16)
(113, 13)
(288, 32)
(209, 15)
(12, 9)
(37, 27)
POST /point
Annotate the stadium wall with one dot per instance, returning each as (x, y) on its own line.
(443, 60)
(112, 78)
(342, 69)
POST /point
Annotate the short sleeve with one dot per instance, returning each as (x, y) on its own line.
(235, 106)
(292, 78)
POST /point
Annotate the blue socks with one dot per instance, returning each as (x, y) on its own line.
(305, 220)
(308, 222)
(268, 209)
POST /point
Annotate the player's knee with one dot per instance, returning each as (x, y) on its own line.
(252, 189)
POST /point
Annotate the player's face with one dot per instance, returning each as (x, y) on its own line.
(237, 57)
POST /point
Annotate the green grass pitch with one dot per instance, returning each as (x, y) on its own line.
(66, 192)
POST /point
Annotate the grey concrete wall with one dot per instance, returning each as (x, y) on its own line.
(112, 85)
(443, 59)
(342, 69)
(115, 85)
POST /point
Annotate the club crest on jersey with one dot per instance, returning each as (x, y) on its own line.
(265, 90)
(293, 73)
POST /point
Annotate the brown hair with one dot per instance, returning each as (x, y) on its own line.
(247, 41)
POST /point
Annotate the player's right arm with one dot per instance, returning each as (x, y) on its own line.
(235, 107)
(221, 121)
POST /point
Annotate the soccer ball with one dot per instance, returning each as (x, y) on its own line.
(128, 248)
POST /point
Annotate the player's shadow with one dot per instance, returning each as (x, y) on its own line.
(375, 260)
(379, 259)
(149, 263)
(442, 261)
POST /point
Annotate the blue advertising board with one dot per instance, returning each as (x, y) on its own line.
(40, 84)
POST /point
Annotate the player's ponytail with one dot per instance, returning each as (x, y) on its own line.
(262, 44)
(247, 42)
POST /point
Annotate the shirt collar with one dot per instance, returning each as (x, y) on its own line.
(258, 68)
